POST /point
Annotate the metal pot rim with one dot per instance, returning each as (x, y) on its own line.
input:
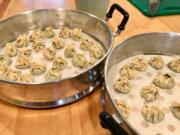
(64, 10)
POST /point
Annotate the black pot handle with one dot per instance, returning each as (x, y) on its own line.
(108, 122)
(123, 23)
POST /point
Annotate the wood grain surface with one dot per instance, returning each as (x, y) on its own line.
(80, 118)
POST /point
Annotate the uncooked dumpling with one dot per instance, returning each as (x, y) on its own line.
(22, 41)
(96, 52)
(59, 63)
(52, 75)
(140, 63)
(49, 53)
(75, 34)
(174, 65)
(48, 32)
(5, 60)
(150, 93)
(38, 45)
(128, 71)
(86, 45)
(11, 50)
(64, 32)
(69, 50)
(152, 114)
(26, 77)
(37, 69)
(57, 42)
(11, 74)
(122, 85)
(164, 81)
(123, 107)
(22, 62)
(156, 62)
(25, 51)
(36, 35)
(92, 61)
(79, 60)
(175, 109)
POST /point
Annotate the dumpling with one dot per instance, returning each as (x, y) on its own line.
(175, 109)
(57, 42)
(3, 70)
(52, 75)
(38, 45)
(26, 77)
(48, 32)
(86, 45)
(96, 52)
(64, 32)
(139, 64)
(122, 85)
(25, 51)
(149, 93)
(75, 34)
(152, 114)
(123, 107)
(59, 63)
(37, 69)
(11, 50)
(79, 60)
(156, 62)
(69, 50)
(12, 74)
(49, 53)
(164, 81)
(92, 61)
(175, 65)
(22, 41)
(5, 60)
(36, 35)
(128, 71)
(23, 62)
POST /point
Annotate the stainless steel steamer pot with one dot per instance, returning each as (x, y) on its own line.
(148, 43)
(67, 90)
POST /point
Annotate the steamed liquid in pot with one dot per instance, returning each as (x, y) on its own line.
(70, 70)
(170, 125)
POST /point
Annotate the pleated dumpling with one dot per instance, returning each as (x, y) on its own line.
(122, 85)
(49, 53)
(86, 44)
(22, 41)
(96, 52)
(79, 60)
(149, 93)
(128, 71)
(123, 107)
(156, 62)
(59, 63)
(37, 68)
(64, 32)
(52, 75)
(152, 114)
(11, 74)
(164, 81)
(23, 62)
(75, 34)
(174, 65)
(5, 60)
(48, 32)
(57, 42)
(36, 35)
(25, 51)
(69, 50)
(38, 45)
(10, 49)
(175, 109)
(26, 77)
(140, 64)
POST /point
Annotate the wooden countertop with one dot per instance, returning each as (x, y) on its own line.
(80, 118)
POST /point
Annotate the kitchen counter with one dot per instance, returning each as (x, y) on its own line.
(79, 118)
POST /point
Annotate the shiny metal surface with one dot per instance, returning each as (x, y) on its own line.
(63, 91)
(148, 43)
